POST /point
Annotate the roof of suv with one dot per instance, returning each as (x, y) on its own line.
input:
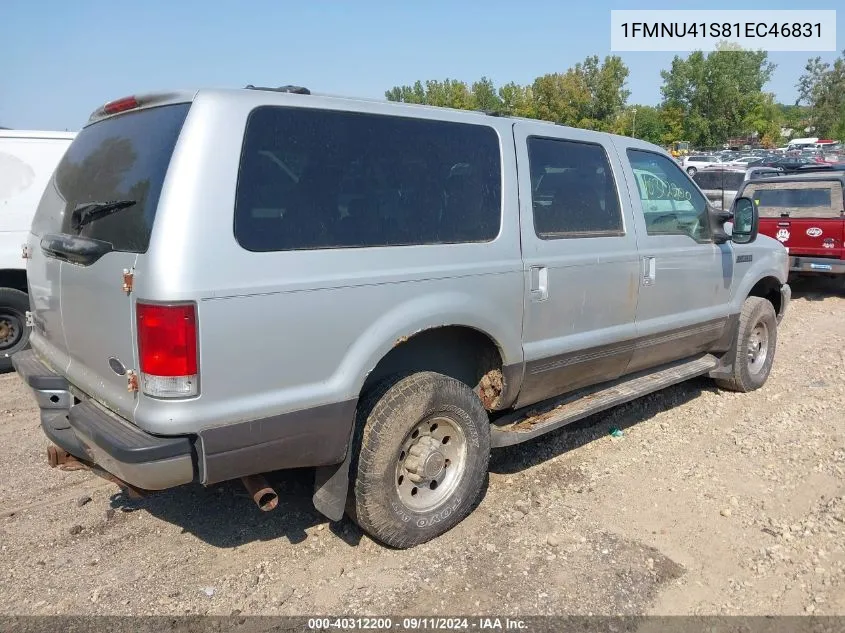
(271, 96)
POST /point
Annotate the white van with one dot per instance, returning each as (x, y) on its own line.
(802, 143)
(27, 160)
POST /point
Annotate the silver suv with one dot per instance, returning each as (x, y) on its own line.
(226, 283)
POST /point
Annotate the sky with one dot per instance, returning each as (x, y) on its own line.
(61, 59)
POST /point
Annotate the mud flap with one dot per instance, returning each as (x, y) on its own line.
(331, 486)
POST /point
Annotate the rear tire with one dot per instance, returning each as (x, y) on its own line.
(419, 459)
(755, 347)
(14, 333)
(692, 171)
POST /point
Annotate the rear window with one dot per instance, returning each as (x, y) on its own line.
(797, 199)
(708, 180)
(733, 180)
(120, 158)
(312, 179)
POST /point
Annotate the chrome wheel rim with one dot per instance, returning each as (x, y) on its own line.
(430, 463)
(758, 347)
(11, 331)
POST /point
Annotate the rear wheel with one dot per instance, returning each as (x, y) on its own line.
(420, 460)
(754, 351)
(692, 171)
(14, 334)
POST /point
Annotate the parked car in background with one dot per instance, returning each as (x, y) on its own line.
(721, 183)
(27, 160)
(746, 161)
(790, 163)
(806, 213)
(762, 172)
(414, 286)
(692, 164)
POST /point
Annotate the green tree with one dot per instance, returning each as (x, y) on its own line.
(716, 92)
(407, 94)
(641, 121)
(606, 85)
(822, 88)
(591, 94)
(561, 97)
(485, 97)
(517, 100)
(766, 120)
(450, 93)
(672, 118)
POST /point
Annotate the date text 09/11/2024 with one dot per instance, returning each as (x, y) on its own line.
(416, 624)
(721, 29)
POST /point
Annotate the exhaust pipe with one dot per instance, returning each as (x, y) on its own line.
(59, 457)
(56, 455)
(262, 494)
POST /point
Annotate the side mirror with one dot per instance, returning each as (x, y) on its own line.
(746, 220)
(718, 218)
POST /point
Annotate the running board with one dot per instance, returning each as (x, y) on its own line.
(530, 422)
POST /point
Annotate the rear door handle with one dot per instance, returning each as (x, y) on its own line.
(539, 283)
(649, 270)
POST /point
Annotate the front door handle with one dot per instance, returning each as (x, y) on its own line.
(539, 283)
(649, 270)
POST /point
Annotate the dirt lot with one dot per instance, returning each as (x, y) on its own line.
(711, 503)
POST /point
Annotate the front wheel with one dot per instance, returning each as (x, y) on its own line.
(14, 333)
(420, 460)
(692, 171)
(754, 351)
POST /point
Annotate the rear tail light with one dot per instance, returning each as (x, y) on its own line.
(167, 349)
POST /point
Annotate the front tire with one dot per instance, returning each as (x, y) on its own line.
(754, 351)
(420, 458)
(14, 333)
(692, 171)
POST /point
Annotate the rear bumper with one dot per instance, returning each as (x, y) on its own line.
(800, 264)
(89, 432)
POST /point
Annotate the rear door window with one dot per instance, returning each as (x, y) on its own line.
(120, 158)
(573, 191)
(313, 178)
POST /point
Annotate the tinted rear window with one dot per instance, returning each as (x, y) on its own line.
(796, 199)
(313, 178)
(793, 198)
(121, 158)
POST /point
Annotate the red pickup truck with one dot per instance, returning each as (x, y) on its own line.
(806, 213)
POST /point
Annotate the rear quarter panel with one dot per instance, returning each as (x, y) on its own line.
(286, 331)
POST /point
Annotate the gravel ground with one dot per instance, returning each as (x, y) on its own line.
(711, 503)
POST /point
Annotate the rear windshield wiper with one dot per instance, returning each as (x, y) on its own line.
(91, 211)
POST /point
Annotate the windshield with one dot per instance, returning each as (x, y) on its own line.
(120, 158)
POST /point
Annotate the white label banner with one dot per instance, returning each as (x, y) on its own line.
(684, 30)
